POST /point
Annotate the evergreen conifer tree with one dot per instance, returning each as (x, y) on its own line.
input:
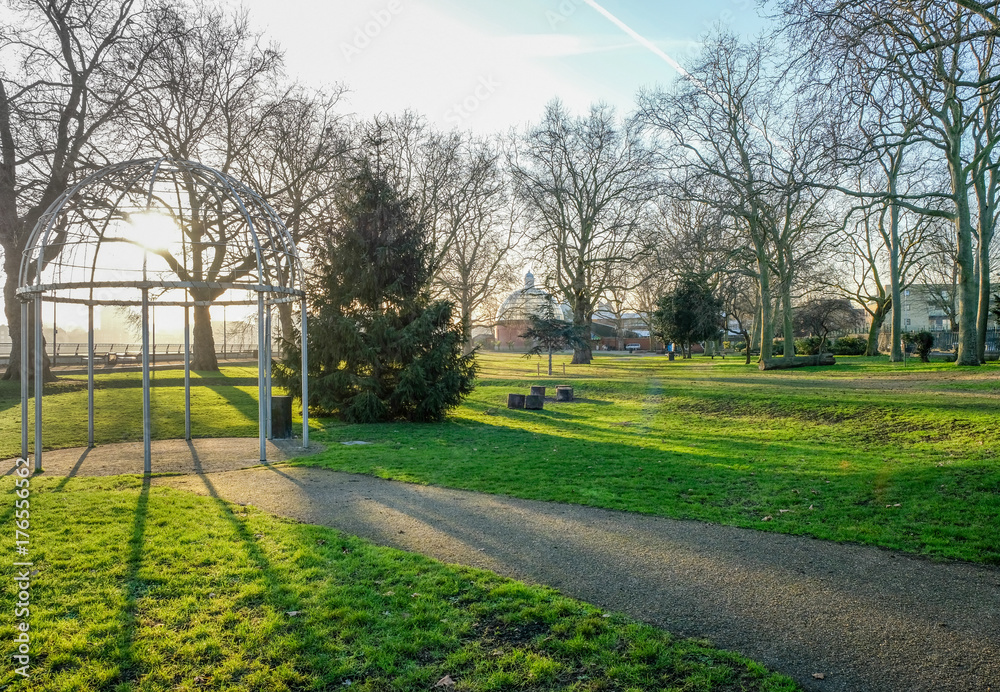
(379, 348)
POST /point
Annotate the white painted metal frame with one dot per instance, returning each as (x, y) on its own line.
(77, 224)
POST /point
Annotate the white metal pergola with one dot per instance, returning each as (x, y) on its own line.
(159, 232)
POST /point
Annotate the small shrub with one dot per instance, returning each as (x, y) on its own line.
(808, 346)
(850, 346)
(740, 346)
(921, 342)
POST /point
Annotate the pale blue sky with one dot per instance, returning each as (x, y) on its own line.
(489, 64)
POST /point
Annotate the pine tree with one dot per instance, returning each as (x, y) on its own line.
(379, 348)
(549, 334)
(690, 313)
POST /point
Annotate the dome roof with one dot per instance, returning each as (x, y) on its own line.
(530, 300)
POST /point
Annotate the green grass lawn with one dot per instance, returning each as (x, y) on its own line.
(899, 456)
(904, 457)
(223, 404)
(150, 588)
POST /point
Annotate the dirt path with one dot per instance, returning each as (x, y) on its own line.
(867, 619)
(168, 456)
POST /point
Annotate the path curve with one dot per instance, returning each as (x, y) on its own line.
(869, 620)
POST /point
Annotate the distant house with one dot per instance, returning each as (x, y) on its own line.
(616, 331)
(930, 307)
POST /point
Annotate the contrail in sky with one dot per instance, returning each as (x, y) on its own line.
(654, 49)
(641, 40)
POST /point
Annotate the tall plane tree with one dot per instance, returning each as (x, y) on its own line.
(729, 141)
(208, 97)
(587, 183)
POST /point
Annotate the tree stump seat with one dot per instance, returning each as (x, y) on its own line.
(515, 400)
(534, 402)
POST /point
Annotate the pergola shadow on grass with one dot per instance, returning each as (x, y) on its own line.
(167, 232)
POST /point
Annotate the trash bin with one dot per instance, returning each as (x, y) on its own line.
(670, 355)
(281, 417)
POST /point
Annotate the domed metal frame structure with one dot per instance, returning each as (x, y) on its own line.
(159, 231)
(530, 300)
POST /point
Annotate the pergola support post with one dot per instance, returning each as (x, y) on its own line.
(147, 426)
(267, 373)
(25, 335)
(39, 384)
(90, 375)
(305, 380)
(261, 396)
(187, 373)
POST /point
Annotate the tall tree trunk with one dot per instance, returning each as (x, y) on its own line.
(785, 285)
(581, 318)
(895, 281)
(878, 319)
(550, 361)
(12, 310)
(983, 311)
(766, 326)
(203, 357)
(968, 289)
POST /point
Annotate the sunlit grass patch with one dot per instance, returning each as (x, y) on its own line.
(150, 588)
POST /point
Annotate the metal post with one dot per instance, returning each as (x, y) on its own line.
(25, 335)
(187, 373)
(261, 418)
(225, 350)
(147, 429)
(305, 381)
(267, 371)
(39, 353)
(90, 375)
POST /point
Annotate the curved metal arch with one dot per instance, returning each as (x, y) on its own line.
(276, 284)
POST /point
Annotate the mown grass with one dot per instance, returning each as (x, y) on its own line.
(140, 587)
(223, 404)
(904, 457)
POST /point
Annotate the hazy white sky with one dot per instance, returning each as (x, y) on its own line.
(487, 65)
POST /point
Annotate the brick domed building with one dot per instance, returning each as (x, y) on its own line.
(513, 316)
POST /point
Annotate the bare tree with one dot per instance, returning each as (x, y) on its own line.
(68, 69)
(483, 225)
(731, 142)
(208, 97)
(297, 164)
(587, 183)
(942, 54)
(820, 316)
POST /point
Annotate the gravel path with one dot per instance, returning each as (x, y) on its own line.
(168, 456)
(867, 619)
